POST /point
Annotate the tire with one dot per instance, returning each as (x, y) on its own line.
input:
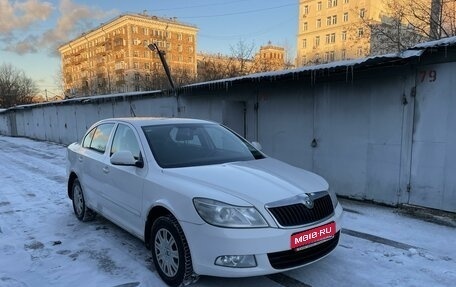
(170, 252)
(82, 212)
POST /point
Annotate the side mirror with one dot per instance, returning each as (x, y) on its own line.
(257, 145)
(125, 157)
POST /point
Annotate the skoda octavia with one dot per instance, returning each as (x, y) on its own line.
(204, 200)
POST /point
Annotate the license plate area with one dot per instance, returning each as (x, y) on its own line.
(311, 237)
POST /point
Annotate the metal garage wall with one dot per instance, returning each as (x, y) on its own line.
(285, 122)
(358, 135)
(367, 133)
(5, 123)
(433, 180)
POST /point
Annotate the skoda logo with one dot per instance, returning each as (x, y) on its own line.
(309, 203)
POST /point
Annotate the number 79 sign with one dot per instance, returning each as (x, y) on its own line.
(427, 76)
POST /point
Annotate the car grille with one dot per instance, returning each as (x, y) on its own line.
(299, 214)
(291, 258)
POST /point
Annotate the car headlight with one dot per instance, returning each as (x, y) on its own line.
(226, 215)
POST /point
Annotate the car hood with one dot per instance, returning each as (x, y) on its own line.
(257, 182)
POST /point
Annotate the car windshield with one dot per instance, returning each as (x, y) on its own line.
(183, 145)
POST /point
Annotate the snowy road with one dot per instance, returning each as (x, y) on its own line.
(43, 244)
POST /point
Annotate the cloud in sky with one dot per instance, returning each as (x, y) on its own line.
(73, 19)
(22, 14)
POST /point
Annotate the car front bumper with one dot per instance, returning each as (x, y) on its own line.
(208, 242)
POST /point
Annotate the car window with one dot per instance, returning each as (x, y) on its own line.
(181, 145)
(88, 138)
(185, 135)
(101, 137)
(225, 141)
(125, 140)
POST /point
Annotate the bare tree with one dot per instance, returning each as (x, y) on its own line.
(405, 23)
(242, 53)
(213, 67)
(15, 87)
(59, 81)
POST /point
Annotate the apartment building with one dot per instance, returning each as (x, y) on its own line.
(115, 56)
(331, 30)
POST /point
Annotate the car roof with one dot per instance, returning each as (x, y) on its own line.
(149, 121)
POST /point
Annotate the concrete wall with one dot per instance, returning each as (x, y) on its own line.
(369, 134)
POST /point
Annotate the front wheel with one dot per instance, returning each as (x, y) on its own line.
(170, 252)
(82, 212)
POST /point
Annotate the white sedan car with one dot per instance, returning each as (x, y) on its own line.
(203, 199)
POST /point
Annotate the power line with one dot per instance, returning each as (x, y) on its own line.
(199, 6)
(239, 13)
(250, 34)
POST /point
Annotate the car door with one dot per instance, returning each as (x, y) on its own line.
(126, 182)
(93, 159)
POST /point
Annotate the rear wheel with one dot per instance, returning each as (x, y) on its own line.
(80, 208)
(170, 252)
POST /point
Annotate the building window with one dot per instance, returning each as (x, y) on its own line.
(328, 21)
(326, 56)
(360, 51)
(136, 76)
(304, 60)
(334, 19)
(331, 56)
(306, 10)
(332, 3)
(317, 41)
(136, 65)
(346, 1)
(327, 37)
(304, 26)
(304, 43)
(318, 23)
(179, 48)
(319, 6)
(134, 29)
(146, 31)
(344, 36)
(179, 36)
(362, 13)
(343, 55)
(360, 32)
(147, 66)
(135, 54)
(333, 38)
(346, 17)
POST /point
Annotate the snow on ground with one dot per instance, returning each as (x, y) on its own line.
(43, 244)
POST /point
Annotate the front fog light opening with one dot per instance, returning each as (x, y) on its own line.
(236, 261)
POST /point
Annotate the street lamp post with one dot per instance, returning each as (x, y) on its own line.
(161, 54)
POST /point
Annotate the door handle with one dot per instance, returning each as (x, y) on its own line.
(106, 169)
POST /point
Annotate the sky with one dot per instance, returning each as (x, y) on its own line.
(32, 30)
(43, 244)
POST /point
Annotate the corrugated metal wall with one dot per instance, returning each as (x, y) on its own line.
(370, 137)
